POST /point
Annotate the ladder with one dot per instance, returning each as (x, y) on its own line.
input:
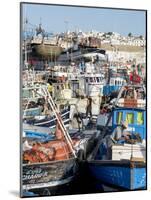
(59, 120)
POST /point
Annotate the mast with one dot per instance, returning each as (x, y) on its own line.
(25, 44)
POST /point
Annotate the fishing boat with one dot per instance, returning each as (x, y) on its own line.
(115, 81)
(132, 96)
(45, 47)
(46, 50)
(52, 175)
(32, 89)
(35, 109)
(59, 80)
(124, 164)
(114, 85)
(50, 163)
(50, 121)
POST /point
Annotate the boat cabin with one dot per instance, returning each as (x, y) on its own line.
(134, 147)
(115, 84)
(134, 117)
(132, 96)
(94, 84)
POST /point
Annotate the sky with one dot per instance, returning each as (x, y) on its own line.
(60, 18)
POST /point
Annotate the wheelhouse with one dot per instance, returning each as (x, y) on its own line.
(114, 85)
(135, 118)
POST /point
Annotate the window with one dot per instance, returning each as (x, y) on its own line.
(140, 118)
(119, 117)
(98, 80)
(91, 79)
(130, 118)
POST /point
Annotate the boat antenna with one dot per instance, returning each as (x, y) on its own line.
(66, 23)
(25, 43)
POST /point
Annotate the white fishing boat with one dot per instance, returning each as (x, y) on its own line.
(132, 96)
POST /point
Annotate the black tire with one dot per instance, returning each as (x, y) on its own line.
(46, 192)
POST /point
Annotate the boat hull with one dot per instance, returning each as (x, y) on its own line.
(47, 175)
(108, 89)
(124, 174)
(47, 50)
(51, 121)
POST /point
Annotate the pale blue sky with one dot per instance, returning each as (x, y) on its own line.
(53, 19)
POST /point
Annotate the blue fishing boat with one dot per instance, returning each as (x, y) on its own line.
(126, 175)
(123, 164)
